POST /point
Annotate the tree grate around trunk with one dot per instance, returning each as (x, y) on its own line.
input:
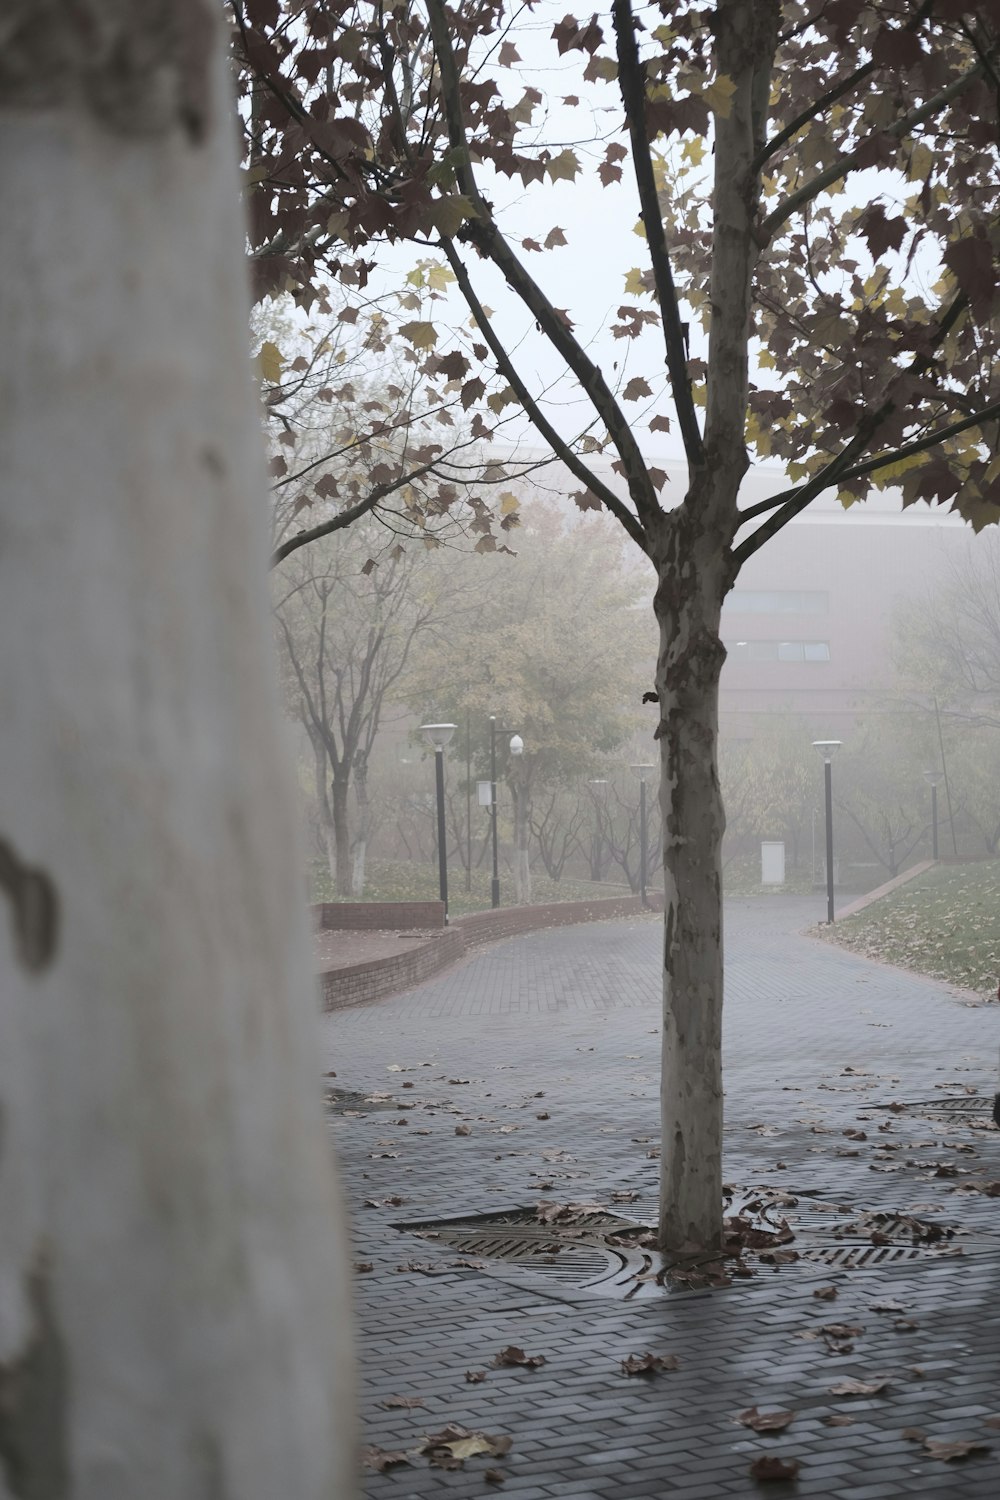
(583, 1248)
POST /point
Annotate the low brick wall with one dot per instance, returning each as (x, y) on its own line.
(360, 983)
(356, 984)
(483, 927)
(378, 916)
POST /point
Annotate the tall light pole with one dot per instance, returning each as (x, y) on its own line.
(516, 748)
(934, 777)
(826, 749)
(439, 735)
(640, 771)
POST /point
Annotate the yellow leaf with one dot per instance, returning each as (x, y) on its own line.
(663, 35)
(897, 470)
(698, 395)
(633, 283)
(450, 213)
(719, 96)
(508, 503)
(694, 151)
(416, 276)
(420, 335)
(564, 166)
(765, 360)
(603, 67)
(921, 161)
(845, 499)
(438, 277)
(269, 362)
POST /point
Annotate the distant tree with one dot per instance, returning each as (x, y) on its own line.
(879, 788)
(552, 646)
(346, 632)
(947, 641)
(849, 335)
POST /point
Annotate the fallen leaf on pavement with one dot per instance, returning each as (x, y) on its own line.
(381, 1459)
(766, 1421)
(949, 1452)
(858, 1388)
(649, 1364)
(991, 1421)
(905, 1325)
(362, 1266)
(841, 1330)
(453, 1445)
(494, 1476)
(914, 1434)
(825, 1293)
(888, 1304)
(838, 1419)
(512, 1355)
(402, 1403)
(774, 1468)
(463, 1129)
(474, 1377)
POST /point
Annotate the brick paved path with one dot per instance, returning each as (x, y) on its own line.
(565, 1024)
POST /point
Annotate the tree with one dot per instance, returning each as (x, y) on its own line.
(550, 644)
(947, 642)
(172, 1258)
(359, 425)
(850, 334)
(346, 630)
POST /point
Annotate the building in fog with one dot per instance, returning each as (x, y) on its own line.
(808, 628)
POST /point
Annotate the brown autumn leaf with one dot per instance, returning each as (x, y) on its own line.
(888, 1304)
(766, 1421)
(767, 1469)
(450, 1447)
(363, 1266)
(858, 1388)
(475, 1377)
(494, 1476)
(649, 1364)
(825, 1293)
(512, 1355)
(991, 1421)
(949, 1452)
(381, 1459)
(914, 1434)
(838, 1419)
(840, 1331)
(463, 1129)
(402, 1403)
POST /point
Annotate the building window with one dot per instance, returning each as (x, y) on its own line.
(777, 602)
(778, 650)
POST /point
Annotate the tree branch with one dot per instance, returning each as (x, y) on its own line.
(346, 517)
(847, 164)
(535, 415)
(631, 79)
(482, 232)
(830, 97)
(883, 460)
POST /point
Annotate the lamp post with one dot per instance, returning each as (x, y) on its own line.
(439, 735)
(640, 771)
(826, 749)
(934, 777)
(516, 748)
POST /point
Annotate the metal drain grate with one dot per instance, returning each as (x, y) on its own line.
(350, 1101)
(966, 1108)
(605, 1254)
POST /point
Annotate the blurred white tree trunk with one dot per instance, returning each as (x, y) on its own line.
(173, 1300)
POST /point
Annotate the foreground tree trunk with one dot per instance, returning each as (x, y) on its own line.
(688, 607)
(173, 1298)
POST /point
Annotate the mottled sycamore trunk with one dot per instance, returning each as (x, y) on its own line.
(174, 1306)
(688, 607)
